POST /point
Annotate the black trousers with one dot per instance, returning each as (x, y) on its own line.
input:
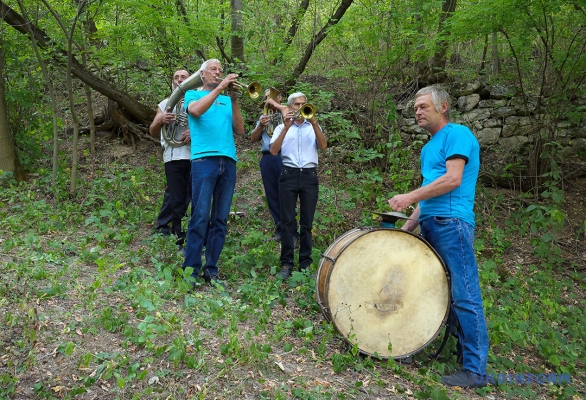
(302, 184)
(177, 197)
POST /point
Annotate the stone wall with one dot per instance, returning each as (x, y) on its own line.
(502, 122)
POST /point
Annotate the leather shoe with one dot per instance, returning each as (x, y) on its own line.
(286, 271)
(215, 282)
(465, 379)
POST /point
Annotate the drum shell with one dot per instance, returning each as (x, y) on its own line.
(384, 285)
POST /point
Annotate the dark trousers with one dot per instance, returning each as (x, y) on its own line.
(302, 184)
(176, 199)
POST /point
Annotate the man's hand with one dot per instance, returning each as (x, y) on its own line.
(400, 202)
(185, 136)
(288, 118)
(227, 81)
(264, 120)
(168, 117)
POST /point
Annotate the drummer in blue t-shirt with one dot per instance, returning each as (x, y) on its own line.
(450, 162)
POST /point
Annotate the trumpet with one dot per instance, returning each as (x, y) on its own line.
(306, 111)
(254, 89)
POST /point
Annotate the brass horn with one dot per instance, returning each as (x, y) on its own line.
(254, 89)
(306, 111)
(176, 99)
(274, 117)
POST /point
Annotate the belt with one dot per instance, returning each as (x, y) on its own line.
(266, 152)
(298, 169)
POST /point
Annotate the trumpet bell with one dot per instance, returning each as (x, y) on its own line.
(306, 111)
(254, 90)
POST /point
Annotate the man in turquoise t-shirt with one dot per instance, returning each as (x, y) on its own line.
(213, 119)
(450, 162)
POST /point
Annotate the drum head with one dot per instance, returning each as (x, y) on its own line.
(388, 292)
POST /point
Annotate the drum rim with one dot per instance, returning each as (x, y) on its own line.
(325, 306)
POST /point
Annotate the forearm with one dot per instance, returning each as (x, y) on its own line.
(156, 125)
(198, 108)
(413, 220)
(256, 133)
(278, 143)
(319, 136)
(440, 186)
(237, 120)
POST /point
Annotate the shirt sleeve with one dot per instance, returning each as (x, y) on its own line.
(191, 96)
(277, 132)
(458, 144)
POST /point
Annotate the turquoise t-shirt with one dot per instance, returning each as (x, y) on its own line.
(453, 141)
(211, 133)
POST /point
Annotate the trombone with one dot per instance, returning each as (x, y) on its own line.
(254, 89)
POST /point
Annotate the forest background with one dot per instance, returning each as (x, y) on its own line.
(92, 305)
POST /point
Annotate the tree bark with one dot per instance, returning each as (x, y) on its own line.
(301, 10)
(8, 157)
(437, 71)
(138, 111)
(317, 39)
(237, 43)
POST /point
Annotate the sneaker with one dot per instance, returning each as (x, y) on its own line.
(286, 271)
(465, 379)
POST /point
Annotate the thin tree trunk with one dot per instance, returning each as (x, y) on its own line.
(8, 156)
(301, 10)
(69, 36)
(484, 52)
(90, 112)
(317, 39)
(496, 63)
(438, 64)
(237, 43)
(33, 38)
(144, 114)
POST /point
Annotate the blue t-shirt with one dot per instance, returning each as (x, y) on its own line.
(453, 141)
(211, 133)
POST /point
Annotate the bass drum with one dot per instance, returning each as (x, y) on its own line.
(385, 290)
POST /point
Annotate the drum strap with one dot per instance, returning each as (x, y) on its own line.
(449, 325)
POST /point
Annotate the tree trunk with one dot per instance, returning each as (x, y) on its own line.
(237, 43)
(317, 39)
(138, 111)
(496, 64)
(301, 10)
(437, 71)
(32, 34)
(8, 157)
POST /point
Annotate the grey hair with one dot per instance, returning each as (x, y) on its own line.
(438, 96)
(204, 66)
(293, 96)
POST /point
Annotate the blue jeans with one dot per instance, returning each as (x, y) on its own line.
(213, 180)
(303, 184)
(453, 240)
